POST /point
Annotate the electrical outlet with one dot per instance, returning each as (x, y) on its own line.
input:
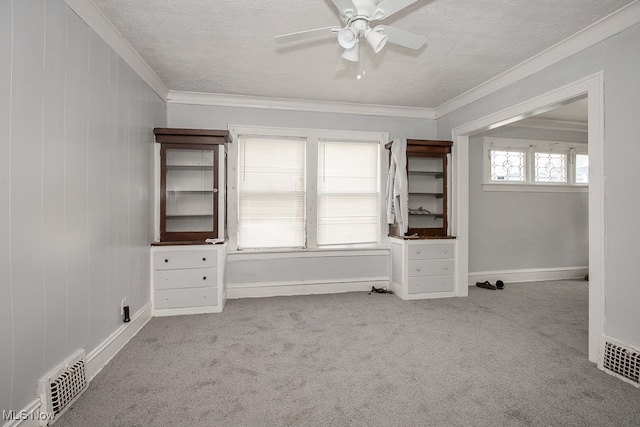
(124, 303)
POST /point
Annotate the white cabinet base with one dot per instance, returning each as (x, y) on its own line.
(422, 269)
(188, 279)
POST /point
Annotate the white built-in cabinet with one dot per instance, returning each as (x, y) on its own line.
(188, 279)
(423, 268)
(188, 271)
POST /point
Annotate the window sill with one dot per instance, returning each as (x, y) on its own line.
(536, 188)
(246, 254)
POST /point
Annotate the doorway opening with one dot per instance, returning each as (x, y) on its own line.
(589, 88)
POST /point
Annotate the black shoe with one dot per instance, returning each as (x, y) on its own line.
(500, 284)
(485, 285)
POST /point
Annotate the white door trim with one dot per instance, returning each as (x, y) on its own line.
(593, 87)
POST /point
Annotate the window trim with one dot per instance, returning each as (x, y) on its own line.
(312, 137)
(530, 147)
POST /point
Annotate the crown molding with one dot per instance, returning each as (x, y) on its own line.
(593, 34)
(536, 123)
(95, 19)
(243, 101)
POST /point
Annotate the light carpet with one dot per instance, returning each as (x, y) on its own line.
(512, 357)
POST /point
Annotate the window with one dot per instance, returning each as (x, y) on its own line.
(582, 169)
(305, 189)
(507, 165)
(550, 167)
(534, 165)
(348, 196)
(272, 193)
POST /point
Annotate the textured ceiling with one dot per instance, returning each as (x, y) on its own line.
(227, 46)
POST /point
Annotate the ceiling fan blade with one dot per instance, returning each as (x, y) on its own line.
(389, 7)
(346, 7)
(308, 34)
(401, 37)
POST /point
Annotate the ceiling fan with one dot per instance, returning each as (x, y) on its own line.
(356, 16)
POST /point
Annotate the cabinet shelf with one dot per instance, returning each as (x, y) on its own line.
(189, 191)
(189, 168)
(437, 175)
(435, 215)
(420, 193)
(188, 215)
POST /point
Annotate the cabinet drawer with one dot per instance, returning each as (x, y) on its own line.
(186, 278)
(436, 267)
(182, 298)
(419, 285)
(431, 251)
(170, 260)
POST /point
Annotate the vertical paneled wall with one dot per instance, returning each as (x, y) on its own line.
(76, 180)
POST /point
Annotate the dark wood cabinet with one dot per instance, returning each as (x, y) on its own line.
(427, 174)
(192, 163)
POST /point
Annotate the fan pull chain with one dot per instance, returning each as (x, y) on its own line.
(361, 63)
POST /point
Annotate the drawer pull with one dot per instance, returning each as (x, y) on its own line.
(446, 268)
(444, 251)
(418, 252)
(166, 260)
(204, 278)
(204, 259)
(418, 269)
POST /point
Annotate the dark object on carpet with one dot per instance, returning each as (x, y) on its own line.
(485, 285)
(382, 290)
(500, 284)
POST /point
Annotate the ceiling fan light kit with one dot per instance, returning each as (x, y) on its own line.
(376, 40)
(347, 38)
(351, 54)
(356, 16)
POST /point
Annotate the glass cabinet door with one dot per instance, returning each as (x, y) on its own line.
(188, 192)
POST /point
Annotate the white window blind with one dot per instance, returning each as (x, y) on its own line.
(348, 194)
(271, 186)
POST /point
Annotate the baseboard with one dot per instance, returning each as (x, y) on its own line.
(605, 339)
(529, 275)
(101, 355)
(258, 290)
(31, 416)
(187, 310)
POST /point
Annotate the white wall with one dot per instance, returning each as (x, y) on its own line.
(212, 117)
(617, 57)
(318, 271)
(76, 170)
(524, 230)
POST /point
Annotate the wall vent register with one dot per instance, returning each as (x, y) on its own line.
(622, 361)
(63, 385)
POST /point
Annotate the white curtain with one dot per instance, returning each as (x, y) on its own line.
(398, 186)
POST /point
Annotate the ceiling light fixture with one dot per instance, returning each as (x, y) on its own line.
(347, 37)
(357, 16)
(376, 39)
(351, 54)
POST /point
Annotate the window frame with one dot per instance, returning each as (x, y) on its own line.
(312, 137)
(530, 147)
